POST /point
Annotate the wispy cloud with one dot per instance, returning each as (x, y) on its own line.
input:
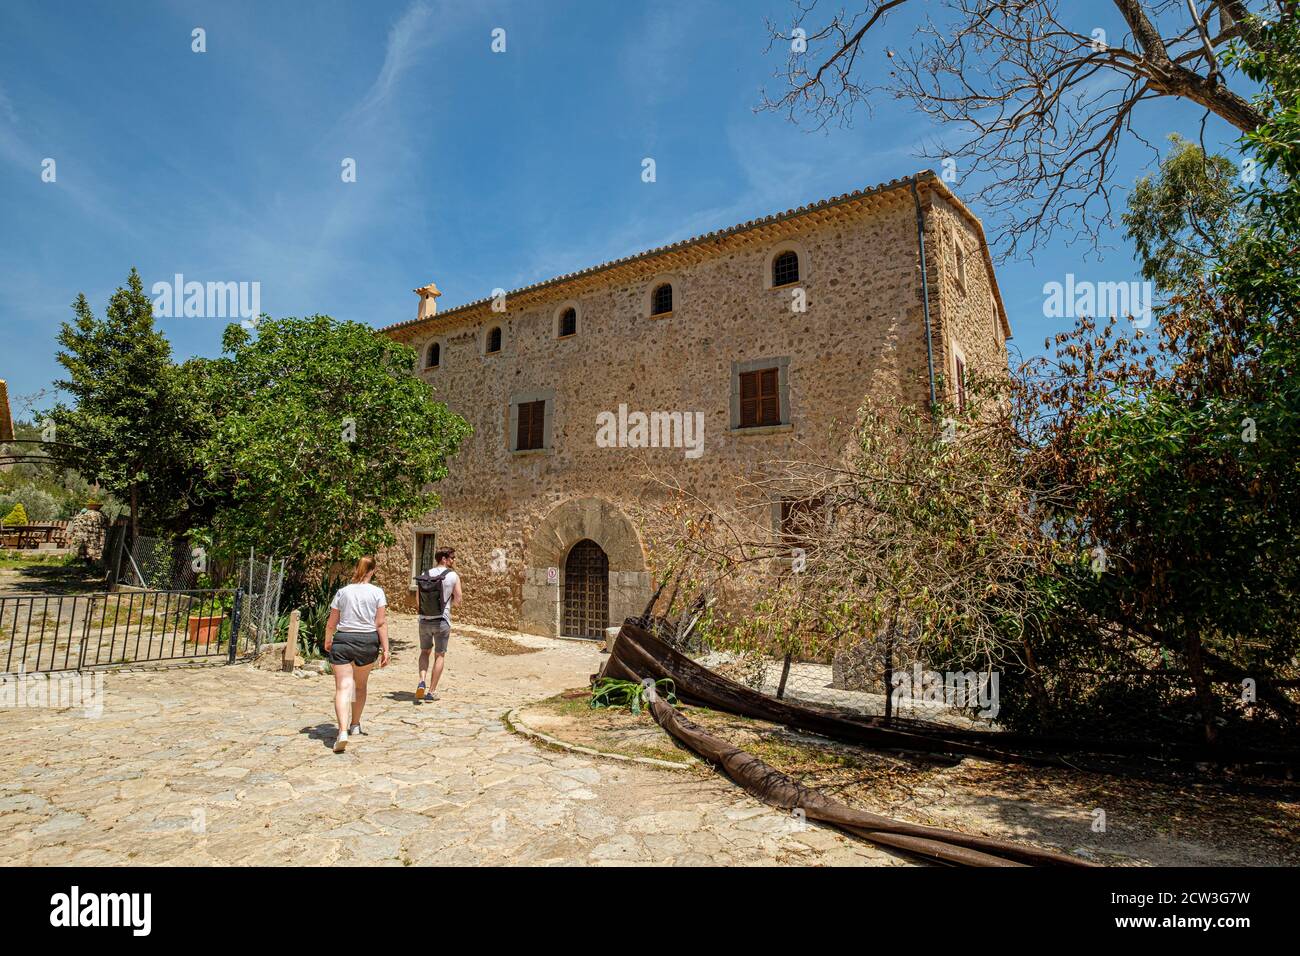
(414, 32)
(657, 55)
(772, 174)
(302, 239)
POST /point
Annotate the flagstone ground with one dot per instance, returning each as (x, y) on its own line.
(232, 765)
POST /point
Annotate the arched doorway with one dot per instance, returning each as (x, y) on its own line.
(546, 554)
(586, 591)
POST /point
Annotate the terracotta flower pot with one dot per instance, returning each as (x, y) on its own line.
(204, 629)
(93, 505)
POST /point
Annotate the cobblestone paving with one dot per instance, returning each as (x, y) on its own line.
(232, 765)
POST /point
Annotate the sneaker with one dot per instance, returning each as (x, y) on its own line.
(355, 730)
(341, 742)
(432, 696)
(419, 692)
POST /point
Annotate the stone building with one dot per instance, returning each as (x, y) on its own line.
(737, 346)
(6, 420)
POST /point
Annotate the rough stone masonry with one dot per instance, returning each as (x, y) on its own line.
(770, 352)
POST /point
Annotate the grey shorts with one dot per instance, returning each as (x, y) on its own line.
(434, 635)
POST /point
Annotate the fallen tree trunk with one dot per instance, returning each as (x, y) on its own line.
(638, 654)
(775, 788)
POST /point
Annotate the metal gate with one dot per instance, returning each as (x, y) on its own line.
(57, 632)
(586, 591)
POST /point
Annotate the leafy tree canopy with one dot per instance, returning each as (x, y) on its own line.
(322, 437)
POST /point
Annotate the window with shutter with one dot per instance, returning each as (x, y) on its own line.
(529, 433)
(798, 521)
(760, 398)
(425, 550)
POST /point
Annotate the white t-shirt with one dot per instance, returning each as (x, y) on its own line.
(357, 605)
(448, 589)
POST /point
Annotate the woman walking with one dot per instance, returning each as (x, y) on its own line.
(355, 635)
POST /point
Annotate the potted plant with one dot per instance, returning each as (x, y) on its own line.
(93, 505)
(205, 628)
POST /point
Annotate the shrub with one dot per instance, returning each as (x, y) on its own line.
(16, 516)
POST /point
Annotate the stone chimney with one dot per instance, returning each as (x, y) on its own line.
(428, 300)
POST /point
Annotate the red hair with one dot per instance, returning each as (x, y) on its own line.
(364, 567)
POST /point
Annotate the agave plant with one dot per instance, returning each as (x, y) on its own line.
(315, 612)
(611, 692)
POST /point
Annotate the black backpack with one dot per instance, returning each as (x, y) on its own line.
(431, 600)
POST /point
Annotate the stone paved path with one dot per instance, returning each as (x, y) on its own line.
(232, 765)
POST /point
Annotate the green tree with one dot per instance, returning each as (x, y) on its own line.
(17, 515)
(1183, 218)
(322, 438)
(1183, 457)
(125, 427)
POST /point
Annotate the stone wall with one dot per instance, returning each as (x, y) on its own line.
(968, 316)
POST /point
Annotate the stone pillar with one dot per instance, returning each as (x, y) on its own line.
(291, 642)
(86, 534)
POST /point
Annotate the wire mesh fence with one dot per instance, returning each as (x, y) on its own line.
(160, 563)
(157, 563)
(261, 581)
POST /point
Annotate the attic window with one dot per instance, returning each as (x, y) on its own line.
(661, 302)
(568, 322)
(785, 268)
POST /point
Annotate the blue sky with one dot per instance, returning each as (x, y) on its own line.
(474, 169)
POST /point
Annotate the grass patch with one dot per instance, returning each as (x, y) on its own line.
(571, 718)
(122, 617)
(18, 560)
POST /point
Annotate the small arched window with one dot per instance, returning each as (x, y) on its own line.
(568, 322)
(661, 302)
(434, 357)
(785, 268)
(494, 340)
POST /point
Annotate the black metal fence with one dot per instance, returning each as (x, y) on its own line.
(55, 632)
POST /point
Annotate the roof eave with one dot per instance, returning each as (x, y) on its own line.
(789, 215)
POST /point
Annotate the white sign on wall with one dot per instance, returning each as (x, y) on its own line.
(552, 575)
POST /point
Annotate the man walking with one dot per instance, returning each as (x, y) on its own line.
(439, 590)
